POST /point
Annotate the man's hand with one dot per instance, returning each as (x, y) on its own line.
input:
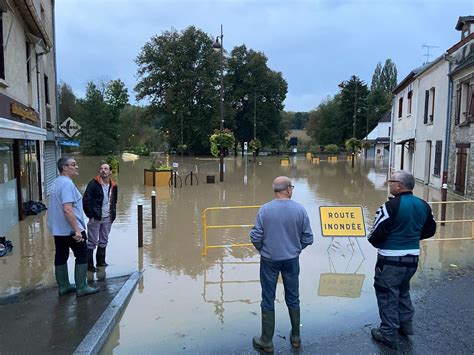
(78, 237)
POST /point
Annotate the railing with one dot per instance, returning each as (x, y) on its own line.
(226, 226)
(442, 222)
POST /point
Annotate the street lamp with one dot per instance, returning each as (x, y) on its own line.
(255, 97)
(219, 47)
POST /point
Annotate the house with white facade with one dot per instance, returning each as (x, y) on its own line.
(461, 73)
(419, 122)
(379, 140)
(28, 128)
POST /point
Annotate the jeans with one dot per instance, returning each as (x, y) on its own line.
(269, 271)
(63, 243)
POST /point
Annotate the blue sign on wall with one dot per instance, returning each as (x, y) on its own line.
(70, 143)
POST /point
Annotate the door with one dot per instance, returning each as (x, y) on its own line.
(461, 165)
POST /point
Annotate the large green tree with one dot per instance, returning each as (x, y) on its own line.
(116, 98)
(254, 91)
(178, 73)
(93, 114)
(353, 101)
(379, 101)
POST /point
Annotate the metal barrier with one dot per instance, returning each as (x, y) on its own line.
(442, 222)
(206, 227)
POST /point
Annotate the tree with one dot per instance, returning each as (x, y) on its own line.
(95, 118)
(384, 79)
(300, 119)
(379, 101)
(66, 102)
(116, 98)
(178, 73)
(353, 101)
(254, 90)
(327, 120)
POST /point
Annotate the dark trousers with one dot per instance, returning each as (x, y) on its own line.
(392, 288)
(64, 243)
(269, 271)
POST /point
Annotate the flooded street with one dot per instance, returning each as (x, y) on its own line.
(187, 302)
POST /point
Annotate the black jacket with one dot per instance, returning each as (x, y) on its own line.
(93, 197)
(401, 223)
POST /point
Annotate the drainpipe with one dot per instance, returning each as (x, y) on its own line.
(444, 186)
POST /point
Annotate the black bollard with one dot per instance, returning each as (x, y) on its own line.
(140, 223)
(191, 178)
(153, 209)
(444, 195)
(175, 179)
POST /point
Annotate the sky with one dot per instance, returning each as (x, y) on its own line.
(315, 44)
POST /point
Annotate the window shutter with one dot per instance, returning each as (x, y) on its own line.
(457, 117)
(427, 103)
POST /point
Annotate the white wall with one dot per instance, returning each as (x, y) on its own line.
(437, 77)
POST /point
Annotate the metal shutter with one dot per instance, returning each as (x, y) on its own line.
(50, 170)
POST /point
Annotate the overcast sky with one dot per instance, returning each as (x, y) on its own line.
(315, 44)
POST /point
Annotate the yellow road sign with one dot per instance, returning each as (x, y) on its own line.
(342, 221)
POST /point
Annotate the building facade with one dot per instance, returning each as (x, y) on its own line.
(379, 140)
(28, 123)
(461, 151)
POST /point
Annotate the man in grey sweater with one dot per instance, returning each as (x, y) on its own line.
(281, 231)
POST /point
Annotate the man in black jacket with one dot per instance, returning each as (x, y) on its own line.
(100, 201)
(399, 225)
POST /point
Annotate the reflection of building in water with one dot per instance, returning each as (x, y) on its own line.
(346, 284)
(229, 284)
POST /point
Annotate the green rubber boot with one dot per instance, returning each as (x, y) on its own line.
(264, 342)
(62, 278)
(82, 288)
(295, 327)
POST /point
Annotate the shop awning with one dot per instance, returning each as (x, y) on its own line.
(17, 130)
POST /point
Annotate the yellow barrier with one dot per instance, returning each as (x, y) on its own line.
(315, 160)
(453, 221)
(206, 227)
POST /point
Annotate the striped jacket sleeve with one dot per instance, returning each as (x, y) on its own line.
(383, 220)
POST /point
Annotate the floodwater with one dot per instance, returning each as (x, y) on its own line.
(187, 302)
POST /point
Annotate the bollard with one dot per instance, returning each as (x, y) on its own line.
(153, 209)
(140, 223)
(174, 179)
(191, 178)
(444, 195)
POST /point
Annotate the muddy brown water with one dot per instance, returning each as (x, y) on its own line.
(187, 302)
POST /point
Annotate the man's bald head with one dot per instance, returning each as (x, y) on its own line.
(281, 183)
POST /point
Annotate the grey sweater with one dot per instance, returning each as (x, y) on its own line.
(282, 229)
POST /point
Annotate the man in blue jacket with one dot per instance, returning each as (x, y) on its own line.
(399, 225)
(281, 231)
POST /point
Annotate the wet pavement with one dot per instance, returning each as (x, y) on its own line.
(40, 322)
(186, 302)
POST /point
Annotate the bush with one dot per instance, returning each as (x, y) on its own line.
(142, 150)
(113, 162)
(331, 148)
